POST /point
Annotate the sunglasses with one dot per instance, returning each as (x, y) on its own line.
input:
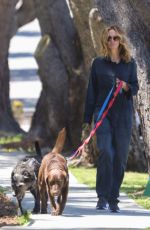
(115, 38)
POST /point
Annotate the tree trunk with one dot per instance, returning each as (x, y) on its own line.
(7, 122)
(137, 159)
(55, 20)
(53, 99)
(24, 14)
(81, 10)
(141, 42)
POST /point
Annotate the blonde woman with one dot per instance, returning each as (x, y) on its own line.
(113, 136)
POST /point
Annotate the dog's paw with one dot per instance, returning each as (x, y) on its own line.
(55, 212)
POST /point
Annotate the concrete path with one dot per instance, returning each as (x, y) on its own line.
(80, 212)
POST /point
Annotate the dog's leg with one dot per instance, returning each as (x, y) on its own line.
(22, 211)
(54, 211)
(44, 198)
(63, 200)
(59, 202)
(36, 195)
(42, 190)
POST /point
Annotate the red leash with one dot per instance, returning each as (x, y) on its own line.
(86, 141)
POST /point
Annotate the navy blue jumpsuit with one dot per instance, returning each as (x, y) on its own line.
(113, 136)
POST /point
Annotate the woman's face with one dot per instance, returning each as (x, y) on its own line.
(113, 40)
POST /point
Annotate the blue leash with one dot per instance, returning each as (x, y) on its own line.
(104, 104)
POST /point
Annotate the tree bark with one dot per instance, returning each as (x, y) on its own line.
(141, 42)
(137, 159)
(24, 14)
(55, 20)
(52, 108)
(7, 122)
(81, 10)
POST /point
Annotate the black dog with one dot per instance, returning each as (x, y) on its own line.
(24, 178)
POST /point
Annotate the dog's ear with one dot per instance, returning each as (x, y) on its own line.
(66, 176)
(12, 177)
(64, 173)
(31, 162)
(46, 179)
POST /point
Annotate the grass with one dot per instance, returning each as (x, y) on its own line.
(10, 139)
(133, 184)
(17, 142)
(85, 175)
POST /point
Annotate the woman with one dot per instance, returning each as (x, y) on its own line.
(113, 136)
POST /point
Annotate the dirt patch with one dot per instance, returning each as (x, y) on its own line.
(8, 211)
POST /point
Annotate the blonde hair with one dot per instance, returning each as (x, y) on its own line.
(124, 51)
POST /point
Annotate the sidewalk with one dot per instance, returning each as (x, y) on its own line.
(80, 212)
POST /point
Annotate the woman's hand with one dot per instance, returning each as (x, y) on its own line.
(125, 86)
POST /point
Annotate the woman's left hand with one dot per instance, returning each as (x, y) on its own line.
(125, 86)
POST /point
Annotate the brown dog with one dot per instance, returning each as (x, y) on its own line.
(53, 178)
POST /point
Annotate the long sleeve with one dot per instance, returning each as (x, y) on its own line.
(133, 82)
(90, 97)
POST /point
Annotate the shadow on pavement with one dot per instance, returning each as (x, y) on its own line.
(28, 34)
(20, 55)
(24, 75)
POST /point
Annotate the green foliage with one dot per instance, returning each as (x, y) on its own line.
(2, 190)
(11, 139)
(9, 143)
(24, 219)
(133, 184)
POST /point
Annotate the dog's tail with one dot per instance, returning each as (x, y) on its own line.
(60, 141)
(38, 149)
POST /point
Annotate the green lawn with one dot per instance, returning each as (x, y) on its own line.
(133, 184)
(10, 139)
